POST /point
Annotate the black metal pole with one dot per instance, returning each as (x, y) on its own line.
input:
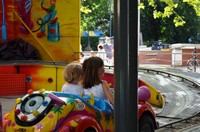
(110, 18)
(126, 65)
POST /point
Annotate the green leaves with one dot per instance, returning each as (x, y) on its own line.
(178, 21)
(195, 4)
(141, 6)
(95, 15)
(85, 10)
(169, 9)
(157, 14)
(169, 20)
(152, 3)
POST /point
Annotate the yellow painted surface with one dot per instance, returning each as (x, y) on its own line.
(60, 78)
(68, 14)
(157, 98)
(40, 74)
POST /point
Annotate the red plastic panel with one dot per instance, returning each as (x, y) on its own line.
(12, 84)
(109, 77)
(8, 69)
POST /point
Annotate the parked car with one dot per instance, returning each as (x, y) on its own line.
(48, 111)
(158, 45)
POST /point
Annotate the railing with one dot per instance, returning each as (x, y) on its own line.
(182, 58)
(81, 56)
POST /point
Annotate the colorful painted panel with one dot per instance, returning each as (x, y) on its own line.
(52, 26)
(39, 77)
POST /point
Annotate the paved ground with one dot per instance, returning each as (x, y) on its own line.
(192, 125)
(7, 103)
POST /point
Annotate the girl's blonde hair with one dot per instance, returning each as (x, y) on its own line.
(72, 73)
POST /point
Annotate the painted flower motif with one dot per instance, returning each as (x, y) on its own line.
(13, 124)
(39, 126)
(9, 122)
(50, 116)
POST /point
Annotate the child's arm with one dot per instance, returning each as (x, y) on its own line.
(107, 91)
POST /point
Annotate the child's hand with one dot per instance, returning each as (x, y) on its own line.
(107, 91)
(105, 83)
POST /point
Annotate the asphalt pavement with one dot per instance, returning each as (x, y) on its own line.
(192, 75)
(7, 103)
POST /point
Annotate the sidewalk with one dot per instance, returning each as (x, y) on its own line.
(7, 103)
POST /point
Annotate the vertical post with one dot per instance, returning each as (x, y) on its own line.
(110, 18)
(3, 26)
(126, 65)
(195, 58)
(174, 59)
(139, 32)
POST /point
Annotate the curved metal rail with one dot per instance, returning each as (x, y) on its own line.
(179, 120)
(173, 120)
(170, 74)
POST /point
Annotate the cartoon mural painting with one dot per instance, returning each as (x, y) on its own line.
(24, 10)
(51, 20)
(37, 22)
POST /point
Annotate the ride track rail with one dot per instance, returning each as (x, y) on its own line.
(184, 79)
(173, 120)
(179, 120)
(169, 74)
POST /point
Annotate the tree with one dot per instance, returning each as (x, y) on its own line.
(169, 9)
(171, 22)
(95, 15)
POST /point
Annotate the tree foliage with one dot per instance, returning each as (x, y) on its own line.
(173, 21)
(170, 7)
(95, 15)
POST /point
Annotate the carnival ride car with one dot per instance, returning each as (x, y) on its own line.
(64, 112)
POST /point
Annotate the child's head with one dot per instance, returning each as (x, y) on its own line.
(72, 73)
(93, 71)
(100, 47)
(92, 54)
(107, 40)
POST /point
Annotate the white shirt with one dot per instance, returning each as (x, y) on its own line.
(101, 53)
(97, 91)
(72, 88)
